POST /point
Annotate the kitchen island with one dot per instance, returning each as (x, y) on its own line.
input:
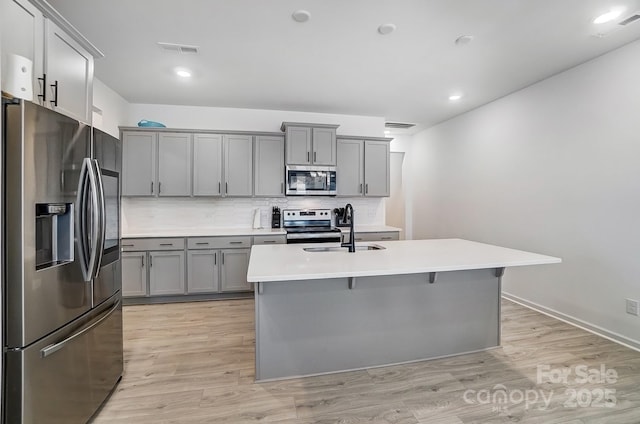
(320, 312)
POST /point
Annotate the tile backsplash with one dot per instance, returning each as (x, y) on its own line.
(139, 214)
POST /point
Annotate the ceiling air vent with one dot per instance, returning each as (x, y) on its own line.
(180, 48)
(398, 125)
(630, 19)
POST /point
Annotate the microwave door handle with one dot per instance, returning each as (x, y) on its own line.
(81, 220)
(101, 216)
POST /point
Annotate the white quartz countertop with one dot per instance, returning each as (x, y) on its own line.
(202, 232)
(290, 262)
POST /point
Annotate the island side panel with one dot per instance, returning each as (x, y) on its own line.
(308, 327)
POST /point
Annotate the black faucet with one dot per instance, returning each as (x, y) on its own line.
(351, 244)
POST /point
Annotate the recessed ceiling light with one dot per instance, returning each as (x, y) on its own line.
(385, 29)
(455, 97)
(183, 73)
(463, 40)
(608, 17)
(387, 132)
(301, 16)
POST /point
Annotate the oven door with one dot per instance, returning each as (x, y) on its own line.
(311, 181)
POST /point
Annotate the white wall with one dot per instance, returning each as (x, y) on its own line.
(114, 110)
(554, 169)
(218, 118)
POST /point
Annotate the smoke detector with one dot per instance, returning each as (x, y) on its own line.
(180, 48)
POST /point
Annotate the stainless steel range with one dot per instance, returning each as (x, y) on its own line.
(309, 226)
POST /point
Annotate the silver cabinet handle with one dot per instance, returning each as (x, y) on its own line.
(366, 188)
(281, 188)
(159, 187)
(52, 348)
(235, 242)
(360, 190)
(202, 243)
(387, 238)
(315, 156)
(226, 188)
(142, 257)
(128, 245)
(222, 258)
(150, 261)
(308, 157)
(151, 187)
(166, 244)
(218, 187)
(269, 241)
(215, 258)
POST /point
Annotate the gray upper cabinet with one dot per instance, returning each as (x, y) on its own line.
(166, 273)
(69, 70)
(376, 168)
(298, 145)
(233, 275)
(350, 168)
(25, 37)
(139, 163)
(207, 165)
(238, 165)
(174, 164)
(324, 146)
(363, 167)
(310, 144)
(269, 166)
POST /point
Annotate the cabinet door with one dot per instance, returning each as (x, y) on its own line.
(69, 70)
(139, 164)
(349, 170)
(238, 165)
(134, 274)
(324, 146)
(202, 269)
(166, 273)
(269, 166)
(376, 168)
(207, 165)
(235, 264)
(24, 36)
(298, 147)
(174, 164)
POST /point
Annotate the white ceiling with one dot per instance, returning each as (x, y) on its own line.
(253, 55)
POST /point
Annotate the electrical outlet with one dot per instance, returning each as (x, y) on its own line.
(632, 307)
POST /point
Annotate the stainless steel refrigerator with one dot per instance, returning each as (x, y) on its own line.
(61, 258)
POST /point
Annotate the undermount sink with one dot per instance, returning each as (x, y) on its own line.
(343, 249)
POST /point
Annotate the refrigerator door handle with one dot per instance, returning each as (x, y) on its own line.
(100, 216)
(81, 221)
(53, 348)
(96, 208)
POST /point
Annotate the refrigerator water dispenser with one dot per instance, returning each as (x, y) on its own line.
(54, 234)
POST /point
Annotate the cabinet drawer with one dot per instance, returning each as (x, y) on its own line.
(279, 239)
(218, 242)
(129, 245)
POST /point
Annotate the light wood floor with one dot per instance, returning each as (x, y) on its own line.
(193, 363)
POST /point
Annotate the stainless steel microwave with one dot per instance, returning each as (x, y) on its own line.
(305, 180)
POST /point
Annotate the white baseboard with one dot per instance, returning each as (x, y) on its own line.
(598, 331)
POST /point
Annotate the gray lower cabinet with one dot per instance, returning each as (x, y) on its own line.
(134, 274)
(233, 275)
(269, 166)
(202, 271)
(166, 273)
